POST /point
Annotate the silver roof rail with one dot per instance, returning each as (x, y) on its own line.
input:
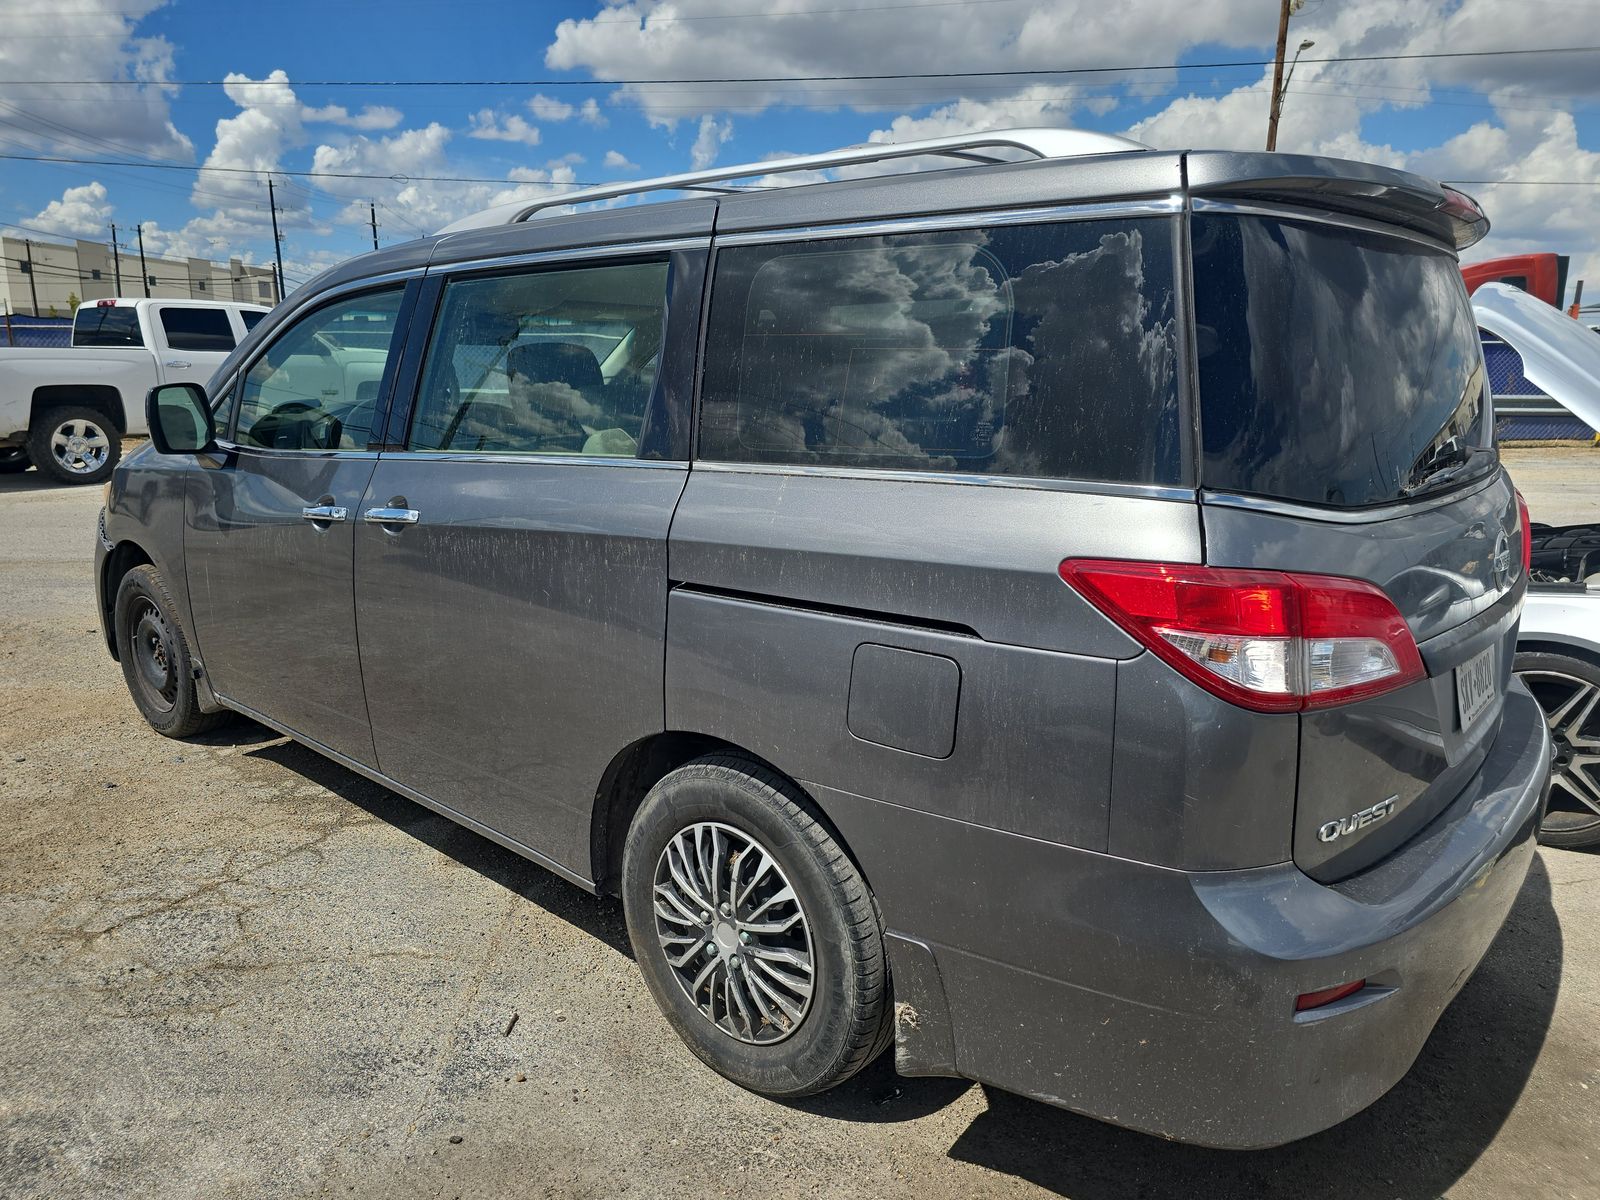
(1041, 143)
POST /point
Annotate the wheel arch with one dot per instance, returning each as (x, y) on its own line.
(639, 767)
(101, 397)
(121, 559)
(1554, 644)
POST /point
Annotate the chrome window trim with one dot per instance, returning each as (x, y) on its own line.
(1290, 212)
(529, 458)
(1347, 516)
(274, 452)
(1093, 487)
(533, 258)
(1170, 205)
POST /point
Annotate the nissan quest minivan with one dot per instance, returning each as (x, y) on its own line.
(1054, 613)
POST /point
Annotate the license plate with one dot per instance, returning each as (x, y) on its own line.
(1475, 681)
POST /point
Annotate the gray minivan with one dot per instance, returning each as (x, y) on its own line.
(1054, 613)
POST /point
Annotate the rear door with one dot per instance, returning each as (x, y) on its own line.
(1346, 430)
(268, 542)
(511, 561)
(191, 341)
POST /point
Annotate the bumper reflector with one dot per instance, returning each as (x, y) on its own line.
(1327, 996)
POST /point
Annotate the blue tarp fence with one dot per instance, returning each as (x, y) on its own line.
(35, 331)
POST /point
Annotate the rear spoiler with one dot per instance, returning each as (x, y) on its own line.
(1336, 185)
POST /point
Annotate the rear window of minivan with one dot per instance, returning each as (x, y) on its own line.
(1337, 366)
(1045, 350)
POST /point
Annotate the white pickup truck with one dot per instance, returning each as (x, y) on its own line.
(66, 410)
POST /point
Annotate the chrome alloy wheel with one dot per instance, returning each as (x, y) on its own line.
(734, 932)
(80, 446)
(1569, 705)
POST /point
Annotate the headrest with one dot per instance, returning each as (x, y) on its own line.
(556, 362)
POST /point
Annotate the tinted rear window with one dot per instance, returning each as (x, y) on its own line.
(108, 326)
(1031, 350)
(1336, 367)
(251, 318)
(197, 329)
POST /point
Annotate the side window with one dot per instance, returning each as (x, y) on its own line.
(197, 329)
(316, 386)
(1034, 350)
(251, 318)
(558, 361)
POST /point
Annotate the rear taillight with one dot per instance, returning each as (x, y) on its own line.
(1271, 641)
(1527, 533)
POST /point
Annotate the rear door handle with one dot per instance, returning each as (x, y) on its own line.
(325, 512)
(391, 516)
(177, 363)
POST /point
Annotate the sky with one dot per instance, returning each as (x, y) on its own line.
(212, 97)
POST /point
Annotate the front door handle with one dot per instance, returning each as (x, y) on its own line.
(180, 364)
(391, 516)
(325, 512)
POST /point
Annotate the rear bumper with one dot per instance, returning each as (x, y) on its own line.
(1164, 1000)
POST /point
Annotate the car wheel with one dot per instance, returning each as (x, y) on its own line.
(13, 459)
(1568, 689)
(755, 933)
(155, 656)
(74, 445)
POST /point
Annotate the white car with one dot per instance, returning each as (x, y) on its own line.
(1558, 648)
(65, 410)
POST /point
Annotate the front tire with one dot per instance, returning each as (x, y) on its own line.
(155, 656)
(1568, 690)
(74, 445)
(755, 933)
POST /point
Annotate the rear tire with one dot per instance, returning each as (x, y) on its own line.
(155, 657)
(14, 460)
(1568, 690)
(74, 444)
(715, 849)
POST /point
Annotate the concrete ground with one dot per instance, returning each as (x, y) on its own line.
(232, 969)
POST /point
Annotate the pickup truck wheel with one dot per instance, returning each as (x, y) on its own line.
(155, 656)
(1568, 689)
(74, 445)
(13, 460)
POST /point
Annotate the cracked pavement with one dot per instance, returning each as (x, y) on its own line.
(229, 968)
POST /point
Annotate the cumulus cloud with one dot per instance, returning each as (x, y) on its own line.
(547, 108)
(91, 39)
(708, 142)
(371, 116)
(495, 127)
(615, 160)
(81, 212)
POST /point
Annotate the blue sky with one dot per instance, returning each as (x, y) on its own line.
(1518, 118)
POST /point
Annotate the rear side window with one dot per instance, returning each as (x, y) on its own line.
(1027, 350)
(107, 326)
(554, 361)
(197, 329)
(1336, 366)
(251, 318)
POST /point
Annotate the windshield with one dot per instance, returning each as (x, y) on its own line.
(1336, 366)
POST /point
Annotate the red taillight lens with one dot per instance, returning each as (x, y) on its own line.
(1265, 640)
(1327, 996)
(1527, 532)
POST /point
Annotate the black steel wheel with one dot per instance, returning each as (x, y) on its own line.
(155, 656)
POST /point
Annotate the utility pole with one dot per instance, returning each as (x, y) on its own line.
(277, 240)
(116, 259)
(1287, 7)
(144, 271)
(32, 286)
(373, 209)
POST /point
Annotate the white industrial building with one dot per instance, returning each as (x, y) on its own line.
(42, 278)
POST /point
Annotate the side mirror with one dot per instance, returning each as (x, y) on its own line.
(179, 419)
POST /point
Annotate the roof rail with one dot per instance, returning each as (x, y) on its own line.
(1041, 143)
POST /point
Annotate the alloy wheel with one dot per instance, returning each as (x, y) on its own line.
(1572, 710)
(80, 446)
(734, 932)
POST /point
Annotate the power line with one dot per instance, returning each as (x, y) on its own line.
(1034, 73)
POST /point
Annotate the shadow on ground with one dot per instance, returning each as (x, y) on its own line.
(1414, 1143)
